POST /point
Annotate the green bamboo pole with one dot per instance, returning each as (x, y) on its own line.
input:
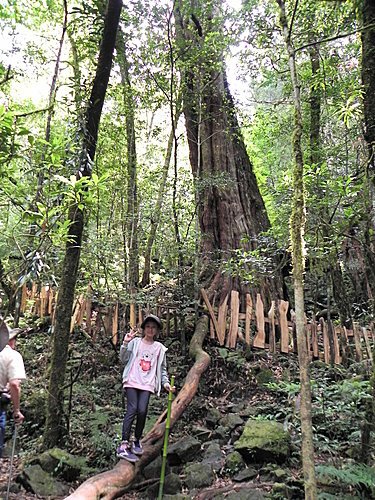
(166, 435)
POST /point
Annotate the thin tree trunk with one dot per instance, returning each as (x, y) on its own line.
(297, 225)
(113, 483)
(159, 202)
(132, 206)
(55, 427)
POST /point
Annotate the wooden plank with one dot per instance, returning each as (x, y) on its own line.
(271, 316)
(168, 322)
(357, 342)
(336, 346)
(43, 301)
(248, 314)
(115, 325)
(284, 330)
(82, 309)
(234, 311)
(260, 337)
(74, 315)
(23, 298)
(132, 320)
(140, 315)
(367, 342)
(344, 345)
(325, 341)
(210, 310)
(222, 320)
(51, 298)
(314, 339)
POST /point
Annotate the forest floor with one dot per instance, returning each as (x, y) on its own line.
(267, 383)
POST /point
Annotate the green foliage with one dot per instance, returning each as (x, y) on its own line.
(361, 477)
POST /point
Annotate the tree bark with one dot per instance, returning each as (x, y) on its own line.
(55, 427)
(230, 208)
(297, 225)
(368, 81)
(113, 483)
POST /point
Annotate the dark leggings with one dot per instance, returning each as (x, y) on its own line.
(136, 406)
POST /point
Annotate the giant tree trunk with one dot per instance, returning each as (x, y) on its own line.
(231, 210)
(113, 483)
(55, 427)
(297, 225)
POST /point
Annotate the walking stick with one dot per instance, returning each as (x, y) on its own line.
(166, 435)
(11, 460)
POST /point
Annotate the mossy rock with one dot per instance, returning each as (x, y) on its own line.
(264, 441)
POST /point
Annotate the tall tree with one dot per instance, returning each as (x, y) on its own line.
(55, 426)
(297, 225)
(231, 210)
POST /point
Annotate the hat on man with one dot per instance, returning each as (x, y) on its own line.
(14, 332)
(155, 319)
(4, 334)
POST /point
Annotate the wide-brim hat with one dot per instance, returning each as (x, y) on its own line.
(4, 334)
(155, 319)
(13, 332)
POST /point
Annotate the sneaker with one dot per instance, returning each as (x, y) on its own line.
(137, 448)
(123, 451)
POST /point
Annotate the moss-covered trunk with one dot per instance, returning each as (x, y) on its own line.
(297, 225)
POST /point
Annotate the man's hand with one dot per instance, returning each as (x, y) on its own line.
(18, 417)
(168, 387)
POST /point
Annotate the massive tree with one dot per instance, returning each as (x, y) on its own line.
(55, 426)
(230, 208)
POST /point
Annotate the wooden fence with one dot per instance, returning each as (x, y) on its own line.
(236, 320)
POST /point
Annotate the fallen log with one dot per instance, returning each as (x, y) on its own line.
(113, 483)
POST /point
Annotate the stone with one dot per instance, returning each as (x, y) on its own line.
(245, 475)
(231, 421)
(172, 484)
(61, 463)
(264, 441)
(221, 433)
(201, 433)
(35, 479)
(198, 475)
(234, 462)
(183, 451)
(213, 416)
(213, 456)
(152, 470)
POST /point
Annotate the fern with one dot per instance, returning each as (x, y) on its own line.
(354, 475)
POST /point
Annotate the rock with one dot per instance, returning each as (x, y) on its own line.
(198, 475)
(264, 441)
(152, 470)
(201, 433)
(172, 484)
(35, 479)
(213, 456)
(212, 417)
(242, 494)
(231, 421)
(183, 451)
(245, 475)
(61, 463)
(234, 462)
(221, 433)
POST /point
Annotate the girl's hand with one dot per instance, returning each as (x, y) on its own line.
(130, 335)
(168, 387)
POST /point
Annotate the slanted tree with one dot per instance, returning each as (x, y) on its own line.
(55, 427)
(230, 207)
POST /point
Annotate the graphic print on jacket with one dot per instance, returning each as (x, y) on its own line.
(143, 372)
